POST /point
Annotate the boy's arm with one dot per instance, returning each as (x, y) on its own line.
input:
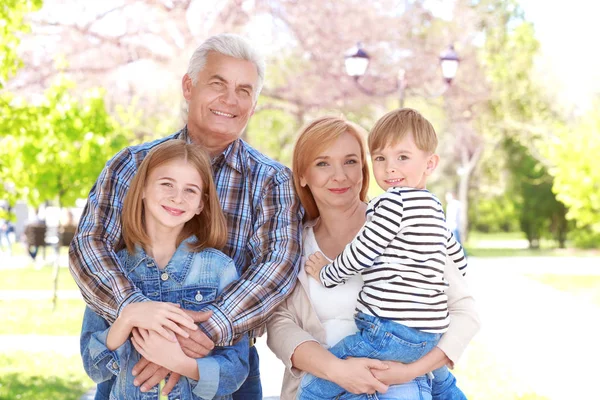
(371, 241)
(456, 253)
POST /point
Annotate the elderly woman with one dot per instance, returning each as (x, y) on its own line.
(332, 178)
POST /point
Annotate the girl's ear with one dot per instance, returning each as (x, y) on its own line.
(200, 207)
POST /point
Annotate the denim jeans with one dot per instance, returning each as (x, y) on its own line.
(444, 386)
(382, 340)
(251, 389)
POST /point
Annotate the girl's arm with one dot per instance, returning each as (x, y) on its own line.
(464, 324)
(151, 315)
(299, 351)
(100, 363)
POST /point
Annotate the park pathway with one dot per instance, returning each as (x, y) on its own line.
(532, 331)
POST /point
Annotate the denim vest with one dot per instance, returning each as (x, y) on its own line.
(192, 280)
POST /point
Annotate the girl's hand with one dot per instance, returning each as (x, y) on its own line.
(356, 375)
(163, 318)
(158, 350)
(314, 264)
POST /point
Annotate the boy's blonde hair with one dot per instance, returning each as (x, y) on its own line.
(209, 227)
(395, 125)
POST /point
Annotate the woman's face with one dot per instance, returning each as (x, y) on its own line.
(335, 176)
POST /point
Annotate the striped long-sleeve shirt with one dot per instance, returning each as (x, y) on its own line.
(401, 253)
(263, 219)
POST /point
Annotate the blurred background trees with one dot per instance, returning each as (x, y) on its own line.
(516, 158)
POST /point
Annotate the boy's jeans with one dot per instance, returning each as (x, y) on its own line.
(382, 340)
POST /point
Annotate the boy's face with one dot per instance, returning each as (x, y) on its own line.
(403, 164)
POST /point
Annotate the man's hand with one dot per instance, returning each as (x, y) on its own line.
(356, 375)
(198, 345)
(315, 264)
(147, 375)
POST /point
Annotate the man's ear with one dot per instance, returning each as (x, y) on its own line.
(432, 163)
(186, 87)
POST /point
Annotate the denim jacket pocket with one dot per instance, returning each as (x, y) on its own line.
(196, 299)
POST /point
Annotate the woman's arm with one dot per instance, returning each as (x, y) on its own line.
(464, 324)
(300, 351)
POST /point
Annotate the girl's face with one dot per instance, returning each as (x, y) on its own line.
(172, 195)
(335, 176)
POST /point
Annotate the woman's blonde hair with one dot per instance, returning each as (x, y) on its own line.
(312, 140)
(393, 126)
(209, 226)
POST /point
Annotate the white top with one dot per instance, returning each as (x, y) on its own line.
(401, 253)
(334, 307)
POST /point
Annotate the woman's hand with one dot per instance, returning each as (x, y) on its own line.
(356, 375)
(396, 373)
(158, 350)
(314, 264)
(163, 318)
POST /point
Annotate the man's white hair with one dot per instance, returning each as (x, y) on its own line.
(230, 45)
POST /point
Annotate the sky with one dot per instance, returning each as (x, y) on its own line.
(568, 32)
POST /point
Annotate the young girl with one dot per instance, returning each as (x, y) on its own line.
(172, 224)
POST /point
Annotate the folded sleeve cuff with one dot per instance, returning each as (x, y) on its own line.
(209, 371)
(135, 297)
(219, 327)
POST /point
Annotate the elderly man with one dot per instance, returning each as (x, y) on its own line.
(221, 87)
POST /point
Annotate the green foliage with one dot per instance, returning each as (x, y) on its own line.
(576, 170)
(541, 214)
(273, 133)
(56, 149)
(494, 214)
(12, 13)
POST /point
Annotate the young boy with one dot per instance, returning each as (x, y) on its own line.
(400, 252)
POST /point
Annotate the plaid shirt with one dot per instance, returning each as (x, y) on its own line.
(263, 219)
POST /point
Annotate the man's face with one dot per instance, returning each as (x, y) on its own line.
(222, 100)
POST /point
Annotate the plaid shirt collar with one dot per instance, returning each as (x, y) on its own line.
(231, 155)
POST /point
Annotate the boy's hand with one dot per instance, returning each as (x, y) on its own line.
(163, 318)
(314, 265)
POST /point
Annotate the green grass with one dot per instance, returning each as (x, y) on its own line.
(48, 375)
(584, 286)
(23, 317)
(36, 279)
(481, 377)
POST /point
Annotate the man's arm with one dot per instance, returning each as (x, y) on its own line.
(275, 255)
(92, 258)
(370, 242)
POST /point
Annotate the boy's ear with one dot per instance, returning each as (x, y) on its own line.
(432, 163)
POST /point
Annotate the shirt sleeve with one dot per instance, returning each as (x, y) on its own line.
(464, 319)
(381, 228)
(275, 250)
(456, 252)
(92, 258)
(100, 363)
(226, 368)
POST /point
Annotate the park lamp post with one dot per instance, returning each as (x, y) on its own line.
(357, 61)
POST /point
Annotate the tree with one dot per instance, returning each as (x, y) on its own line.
(54, 151)
(573, 153)
(12, 13)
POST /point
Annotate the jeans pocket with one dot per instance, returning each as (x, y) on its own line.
(406, 350)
